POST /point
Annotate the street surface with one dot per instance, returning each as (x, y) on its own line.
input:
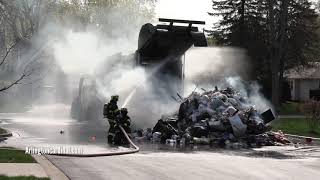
(198, 165)
(41, 128)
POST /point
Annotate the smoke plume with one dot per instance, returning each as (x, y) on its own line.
(108, 61)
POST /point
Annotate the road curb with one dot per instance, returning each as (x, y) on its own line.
(52, 171)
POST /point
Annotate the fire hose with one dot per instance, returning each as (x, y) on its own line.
(130, 151)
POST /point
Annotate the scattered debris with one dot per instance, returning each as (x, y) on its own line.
(3, 139)
(215, 117)
(308, 140)
(93, 138)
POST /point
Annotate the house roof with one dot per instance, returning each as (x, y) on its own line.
(312, 71)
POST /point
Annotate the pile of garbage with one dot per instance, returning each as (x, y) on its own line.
(215, 117)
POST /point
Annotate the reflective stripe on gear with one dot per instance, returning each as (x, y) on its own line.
(111, 134)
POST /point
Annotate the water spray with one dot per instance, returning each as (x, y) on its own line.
(129, 97)
(154, 70)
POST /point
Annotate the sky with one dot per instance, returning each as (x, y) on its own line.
(186, 9)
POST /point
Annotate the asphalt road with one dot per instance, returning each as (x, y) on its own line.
(41, 128)
(43, 124)
(198, 165)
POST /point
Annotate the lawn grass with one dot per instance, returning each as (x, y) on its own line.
(2, 131)
(298, 126)
(15, 156)
(22, 178)
(290, 108)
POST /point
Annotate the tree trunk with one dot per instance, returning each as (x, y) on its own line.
(277, 47)
(242, 26)
(274, 64)
(282, 41)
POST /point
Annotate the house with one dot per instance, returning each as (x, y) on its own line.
(304, 81)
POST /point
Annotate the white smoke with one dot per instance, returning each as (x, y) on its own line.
(88, 52)
(222, 67)
(251, 92)
(79, 52)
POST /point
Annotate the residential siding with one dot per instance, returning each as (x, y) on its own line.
(295, 89)
(304, 87)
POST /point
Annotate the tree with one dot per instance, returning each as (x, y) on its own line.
(277, 42)
(118, 18)
(20, 20)
(26, 73)
(22, 16)
(113, 18)
(277, 35)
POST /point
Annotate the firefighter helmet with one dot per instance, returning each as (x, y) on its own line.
(124, 110)
(114, 98)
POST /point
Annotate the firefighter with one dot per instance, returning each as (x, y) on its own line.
(124, 120)
(111, 111)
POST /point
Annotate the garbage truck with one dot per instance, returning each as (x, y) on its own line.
(161, 49)
(166, 44)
